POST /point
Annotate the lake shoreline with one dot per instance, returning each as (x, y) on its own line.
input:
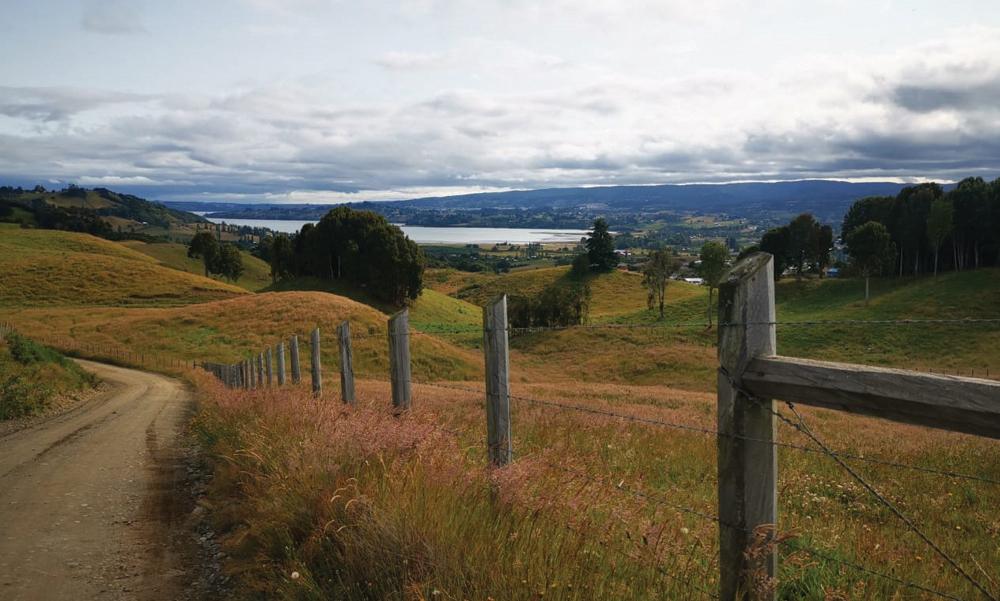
(438, 235)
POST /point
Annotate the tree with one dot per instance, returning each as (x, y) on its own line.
(775, 242)
(913, 208)
(281, 257)
(822, 244)
(940, 222)
(713, 265)
(601, 247)
(205, 247)
(656, 275)
(802, 234)
(871, 249)
(228, 262)
(363, 248)
(970, 218)
(580, 266)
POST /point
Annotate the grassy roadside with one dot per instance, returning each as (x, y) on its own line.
(31, 375)
(318, 501)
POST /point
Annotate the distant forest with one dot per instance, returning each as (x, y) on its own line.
(959, 228)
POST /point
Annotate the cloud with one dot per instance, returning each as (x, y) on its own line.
(112, 17)
(929, 110)
(408, 61)
(58, 103)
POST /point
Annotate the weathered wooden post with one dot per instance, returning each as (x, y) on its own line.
(245, 370)
(346, 363)
(252, 372)
(293, 346)
(270, 367)
(281, 363)
(317, 375)
(260, 370)
(399, 359)
(747, 458)
(497, 356)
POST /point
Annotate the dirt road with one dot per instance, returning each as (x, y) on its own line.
(90, 500)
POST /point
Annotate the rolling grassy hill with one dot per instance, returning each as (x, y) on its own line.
(228, 330)
(256, 275)
(685, 356)
(123, 210)
(31, 375)
(44, 267)
(416, 487)
(57, 268)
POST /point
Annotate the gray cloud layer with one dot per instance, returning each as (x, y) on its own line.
(916, 113)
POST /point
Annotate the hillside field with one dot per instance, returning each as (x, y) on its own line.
(364, 505)
(46, 268)
(256, 275)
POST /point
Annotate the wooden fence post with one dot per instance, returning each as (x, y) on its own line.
(497, 356)
(260, 370)
(293, 346)
(270, 367)
(245, 373)
(747, 457)
(252, 373)
(281, 363)
(317, 375)
(399, 359)
(346, 363)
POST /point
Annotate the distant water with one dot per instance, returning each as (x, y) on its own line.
(437, 235)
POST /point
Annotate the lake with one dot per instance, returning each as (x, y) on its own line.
(438, 235)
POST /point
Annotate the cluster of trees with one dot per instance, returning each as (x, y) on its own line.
(563, 303)
(222, 259)
(803, 245)
(360, 247)
(931, 229)
(663, 265)
(567, 301)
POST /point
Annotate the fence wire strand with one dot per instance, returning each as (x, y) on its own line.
(801, 426)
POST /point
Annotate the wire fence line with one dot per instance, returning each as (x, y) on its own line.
(818, 554)
(958, 321)
(801, 426)
(248, 375)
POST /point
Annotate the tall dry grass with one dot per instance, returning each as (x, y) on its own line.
(359, 504)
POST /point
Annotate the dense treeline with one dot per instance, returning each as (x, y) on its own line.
(803, 246)
(958, 229)
(360, 247)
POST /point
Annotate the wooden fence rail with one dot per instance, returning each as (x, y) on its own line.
(751, 375)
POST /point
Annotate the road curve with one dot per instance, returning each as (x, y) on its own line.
(88, 499)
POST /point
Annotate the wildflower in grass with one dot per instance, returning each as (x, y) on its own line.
(295, 575)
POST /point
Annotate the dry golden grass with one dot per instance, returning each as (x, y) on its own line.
(227, 331)
(365, 505)
(256, 275)
(43, 267)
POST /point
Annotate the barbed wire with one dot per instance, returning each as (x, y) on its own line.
(788, 445)
(660, 569)
(801, 426)
(860, 568)
(963, 321)
(637, 493)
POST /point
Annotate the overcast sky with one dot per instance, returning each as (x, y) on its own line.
(326, 100)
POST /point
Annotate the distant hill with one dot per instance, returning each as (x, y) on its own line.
(79, 209)
(43, 268)
(828, 200)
